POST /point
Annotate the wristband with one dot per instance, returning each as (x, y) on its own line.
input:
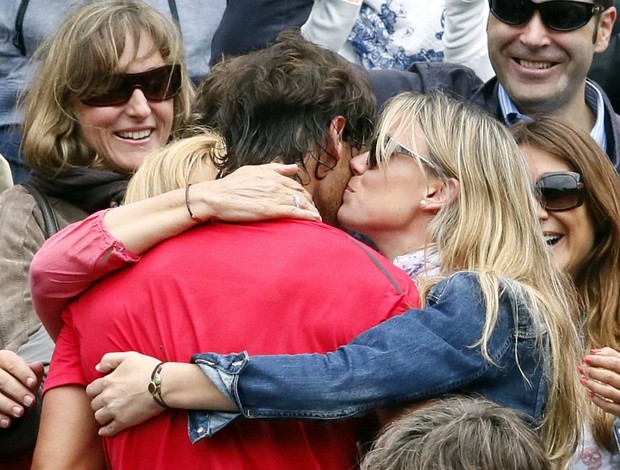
(155, 386)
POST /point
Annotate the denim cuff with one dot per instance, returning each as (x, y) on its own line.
(223, 372)
(616, 431)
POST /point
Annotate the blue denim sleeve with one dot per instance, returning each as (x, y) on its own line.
(415, 356)
(222, 371)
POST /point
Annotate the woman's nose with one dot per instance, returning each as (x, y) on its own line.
(359, 163)
(138, 104)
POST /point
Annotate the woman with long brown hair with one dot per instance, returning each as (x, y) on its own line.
(580, 216)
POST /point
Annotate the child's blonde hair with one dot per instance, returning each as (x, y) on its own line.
(176, 165)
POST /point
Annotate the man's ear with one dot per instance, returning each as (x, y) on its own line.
(605, 27)
(333, 145)
(441, 192)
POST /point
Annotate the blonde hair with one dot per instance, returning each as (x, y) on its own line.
(77, 61)
(491, 228)
(601, 268)
(176, 165)
(458, 433)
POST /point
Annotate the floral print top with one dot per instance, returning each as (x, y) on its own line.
(393, 34)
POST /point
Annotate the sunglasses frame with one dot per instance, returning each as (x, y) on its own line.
(128, 82)
(403, 150)
(579, 189)
(543, 8)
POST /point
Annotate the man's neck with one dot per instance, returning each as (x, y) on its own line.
(577, 112)
(587, 113)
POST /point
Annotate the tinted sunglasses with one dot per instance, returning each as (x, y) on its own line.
(160, 84)
(560, 190)
(559, 15)
(398, 148)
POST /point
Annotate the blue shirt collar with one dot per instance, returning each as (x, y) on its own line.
(593, 97)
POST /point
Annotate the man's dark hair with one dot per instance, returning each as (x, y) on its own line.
(277, 103)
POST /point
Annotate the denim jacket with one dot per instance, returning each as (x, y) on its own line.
(415, 356)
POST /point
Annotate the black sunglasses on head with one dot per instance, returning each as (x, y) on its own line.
(560, 190)
(159, 84)
(559, 15)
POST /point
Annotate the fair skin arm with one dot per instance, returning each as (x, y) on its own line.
(600, 374)
(184, 386)
(68, 433)
(121, 400)
(249, 194)
(19, 382)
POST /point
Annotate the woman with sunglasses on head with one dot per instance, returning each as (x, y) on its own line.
(447, 206)
(579, 194)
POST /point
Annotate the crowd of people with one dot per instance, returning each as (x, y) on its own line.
(182, 181)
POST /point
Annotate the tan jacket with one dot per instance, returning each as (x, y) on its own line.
(21, 235)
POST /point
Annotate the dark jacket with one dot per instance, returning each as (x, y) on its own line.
(248, 25)
(461, 82)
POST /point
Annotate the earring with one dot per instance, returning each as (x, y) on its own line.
(423, 203)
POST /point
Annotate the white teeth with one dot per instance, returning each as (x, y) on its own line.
(552, 239)
(135, 135)
(534, 65)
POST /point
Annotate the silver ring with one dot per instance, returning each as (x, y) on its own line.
(296, 200)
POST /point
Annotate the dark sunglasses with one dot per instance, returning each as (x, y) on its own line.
(160, 84)
(560, 190)
(398, 148)
(559, 15)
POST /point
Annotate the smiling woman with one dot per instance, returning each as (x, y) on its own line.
(124, 122)
(567, 224)
(579, 210)
(112, 86)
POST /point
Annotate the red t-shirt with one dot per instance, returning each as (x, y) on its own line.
(271, 287)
